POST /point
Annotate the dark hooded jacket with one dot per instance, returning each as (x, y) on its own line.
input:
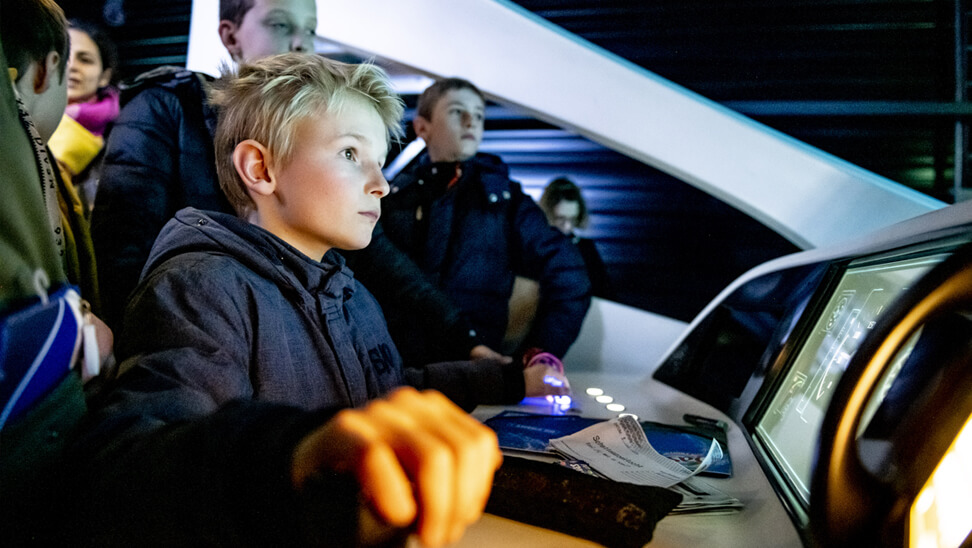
(158, 159)
(471, 242)
(235, 346)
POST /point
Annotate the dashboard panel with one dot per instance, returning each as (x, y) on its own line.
(771, 352)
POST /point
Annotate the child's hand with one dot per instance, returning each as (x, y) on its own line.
(545, 380)
(544, 376)
(417, 457)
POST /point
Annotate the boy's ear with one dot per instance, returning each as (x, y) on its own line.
(251, 160)
(421, 126)
(227, 34)
(45, 71)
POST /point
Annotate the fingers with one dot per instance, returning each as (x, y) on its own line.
(381, 478)
(425, 457)
(415, 455)
(545, 380)
(558, 381)
(453, 458)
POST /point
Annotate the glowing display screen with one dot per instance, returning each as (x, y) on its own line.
(790, 425)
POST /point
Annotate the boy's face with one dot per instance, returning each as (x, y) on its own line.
(271, 27)
(85, 72)
(328, 194)
(456, 128)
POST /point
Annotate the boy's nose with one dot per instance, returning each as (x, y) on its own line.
(300, 43)
(380, 186)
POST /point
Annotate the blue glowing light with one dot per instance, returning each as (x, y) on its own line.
(552, 381)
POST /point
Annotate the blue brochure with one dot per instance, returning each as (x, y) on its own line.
(688, 444)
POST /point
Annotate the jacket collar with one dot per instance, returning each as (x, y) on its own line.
(261, 251)
(493, 175)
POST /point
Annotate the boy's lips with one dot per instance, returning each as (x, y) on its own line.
(373, 215)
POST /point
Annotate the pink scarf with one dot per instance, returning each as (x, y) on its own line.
(97, 114)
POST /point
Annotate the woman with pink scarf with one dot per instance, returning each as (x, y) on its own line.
(92, 106)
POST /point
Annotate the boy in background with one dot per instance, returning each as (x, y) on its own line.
(471, 230)
(248, 335)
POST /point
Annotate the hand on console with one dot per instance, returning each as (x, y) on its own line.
(544, 376)
(419, 460)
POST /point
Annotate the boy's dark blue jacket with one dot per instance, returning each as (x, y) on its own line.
(473, 240)
(235, 345)
(159, 158)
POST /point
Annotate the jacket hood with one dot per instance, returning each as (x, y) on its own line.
(193, 230)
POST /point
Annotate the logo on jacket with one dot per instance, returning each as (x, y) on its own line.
(381, 358)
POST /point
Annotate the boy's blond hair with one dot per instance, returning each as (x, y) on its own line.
(266, 99)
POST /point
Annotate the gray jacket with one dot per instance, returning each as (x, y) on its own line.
(235, 345)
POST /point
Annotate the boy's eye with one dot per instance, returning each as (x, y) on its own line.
(348, 154)
(280, 27)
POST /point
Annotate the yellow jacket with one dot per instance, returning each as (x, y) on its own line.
(74, 147)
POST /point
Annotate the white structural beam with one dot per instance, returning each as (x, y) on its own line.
(810, 197)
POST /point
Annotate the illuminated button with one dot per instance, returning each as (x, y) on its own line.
(594, 391)
(604, 399)
(562, 403)
(616, 407)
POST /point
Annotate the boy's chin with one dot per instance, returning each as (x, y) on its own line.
(355, 246)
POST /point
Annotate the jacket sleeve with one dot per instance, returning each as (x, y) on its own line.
(134, 195)
(399, 284)
(472, 383)
(223, 477)
(549, 257)
(178, 451)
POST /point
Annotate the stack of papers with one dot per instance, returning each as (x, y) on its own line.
(619, 450)
(700, 496)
